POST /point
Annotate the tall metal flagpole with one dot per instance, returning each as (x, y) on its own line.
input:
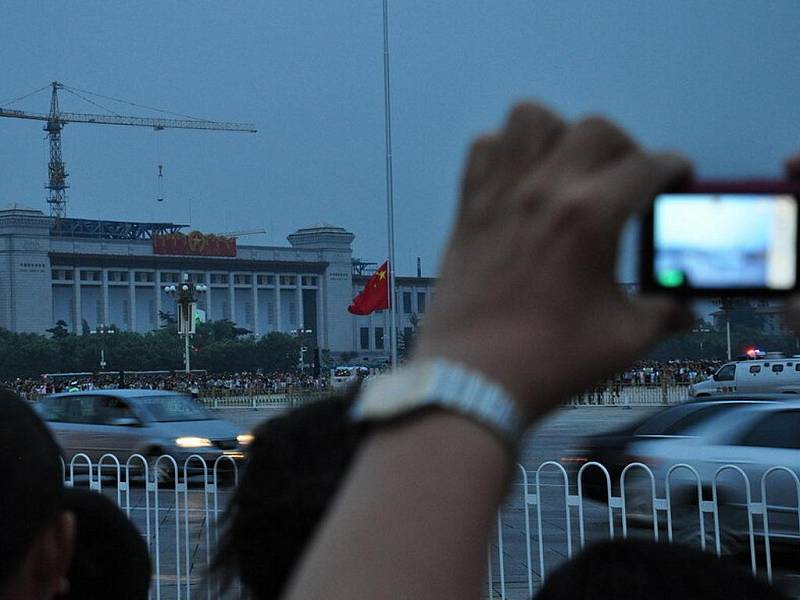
(389, 187)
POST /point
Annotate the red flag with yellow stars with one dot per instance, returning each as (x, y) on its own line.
(375, 295)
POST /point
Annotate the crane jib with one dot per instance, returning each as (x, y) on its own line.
(65, 117)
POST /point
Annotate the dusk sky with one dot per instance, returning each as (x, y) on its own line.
(716, 79)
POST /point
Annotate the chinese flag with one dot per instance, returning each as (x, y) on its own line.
(375, 295)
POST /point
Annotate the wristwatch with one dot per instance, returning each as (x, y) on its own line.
(440, 384)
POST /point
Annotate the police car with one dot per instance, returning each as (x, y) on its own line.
(755, 373)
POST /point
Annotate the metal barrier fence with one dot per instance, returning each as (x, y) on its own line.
(550, 514)
(256, 401)
(632, 395)
(624, 395)
(177, 509)
(548, 517)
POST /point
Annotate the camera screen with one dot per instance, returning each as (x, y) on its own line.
(725, 241)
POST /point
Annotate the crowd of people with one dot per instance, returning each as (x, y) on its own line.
(198, 384)
(643, 373)
(673, 372)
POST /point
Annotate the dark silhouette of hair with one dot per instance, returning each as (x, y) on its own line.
(110, 558)
(641, 570)
(295, 465)
(31, 479)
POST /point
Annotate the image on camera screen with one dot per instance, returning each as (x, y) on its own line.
(725, 241)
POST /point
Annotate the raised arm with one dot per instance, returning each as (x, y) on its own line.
(527, 299)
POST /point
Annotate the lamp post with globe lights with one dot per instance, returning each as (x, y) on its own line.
(186, 295)
(301, 334)
(103, 330)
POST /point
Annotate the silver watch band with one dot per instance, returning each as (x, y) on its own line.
(441, 384)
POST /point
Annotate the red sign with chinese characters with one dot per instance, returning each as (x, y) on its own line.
(194, 244)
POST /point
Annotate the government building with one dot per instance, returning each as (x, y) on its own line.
(88, 272)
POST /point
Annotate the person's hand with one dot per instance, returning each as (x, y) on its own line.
(527, 293)
(792, 312)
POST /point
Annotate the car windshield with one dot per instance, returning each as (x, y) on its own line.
(678, 420)
(173, 407)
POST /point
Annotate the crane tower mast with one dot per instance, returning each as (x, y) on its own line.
(56, 169)
(55, 121)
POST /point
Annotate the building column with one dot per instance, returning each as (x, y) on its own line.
(104, 318)
(131, 304)
(322, 334)
(231, 299)
(255, 304)
(158, 309)
(76, 310)
(301, 320)
(278, 303)
(207, 295)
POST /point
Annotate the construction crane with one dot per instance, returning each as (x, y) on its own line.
(55, 121)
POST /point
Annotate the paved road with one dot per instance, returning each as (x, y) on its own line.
(546, 442)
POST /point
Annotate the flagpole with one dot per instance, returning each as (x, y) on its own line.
(389, 187)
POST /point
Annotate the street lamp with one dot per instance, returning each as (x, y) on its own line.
(701, 329)
(186, 295)
(103, 331)
(300, 334)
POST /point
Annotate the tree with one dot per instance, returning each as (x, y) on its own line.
(60, 330)
(405, 340)
(278, 352)
(167, 319)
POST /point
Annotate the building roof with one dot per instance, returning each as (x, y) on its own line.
(19, 209)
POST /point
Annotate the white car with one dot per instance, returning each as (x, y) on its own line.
(764, 375)
(754, 438)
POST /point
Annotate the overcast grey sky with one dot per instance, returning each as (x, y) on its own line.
(716, 79)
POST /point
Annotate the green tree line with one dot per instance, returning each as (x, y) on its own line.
(216, 347)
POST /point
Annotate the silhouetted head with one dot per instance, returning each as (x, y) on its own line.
(295, 465)
(36, 533)
(641, 570)
(110, 558)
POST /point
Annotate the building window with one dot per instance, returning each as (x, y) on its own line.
(62, 275)
(242, 279)
(90, 276)
(420, 302)
(407, 302)
(288, 280)
(169, 277)
(309, 280)
(365, 338)
(219, 278)
(197, 277)
(142, 276)
(265, 279)
(118, 276)
(379, 338)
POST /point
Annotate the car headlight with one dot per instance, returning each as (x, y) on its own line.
(192, 442)
(245, 438)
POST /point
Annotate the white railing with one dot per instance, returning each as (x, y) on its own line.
(548, 517)
(256, 400)
(177, 509)
(551, 513)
